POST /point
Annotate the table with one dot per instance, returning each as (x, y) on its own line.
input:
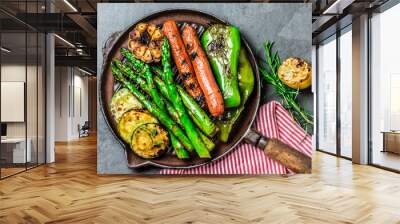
(391, 141)
(13, 150)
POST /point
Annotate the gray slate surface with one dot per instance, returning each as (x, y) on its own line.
(287, 24)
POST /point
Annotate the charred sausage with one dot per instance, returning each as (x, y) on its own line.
(202, 69)
(182, 61)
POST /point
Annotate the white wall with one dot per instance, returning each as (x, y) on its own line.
(71, 93)
(16, 73)
(61, 98)
(80, 108)
(12, 73)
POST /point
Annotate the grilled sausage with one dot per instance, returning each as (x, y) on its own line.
(182, 61)
(202, 69)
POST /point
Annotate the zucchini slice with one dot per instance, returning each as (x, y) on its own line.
(131, 120)
(149, 141)
(123, 101)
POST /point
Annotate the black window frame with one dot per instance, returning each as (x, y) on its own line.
(339, 32)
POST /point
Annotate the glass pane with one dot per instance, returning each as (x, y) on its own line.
(23, 82)
(385, 89)
(31, 97)
(41, 99)
(346, 94)
(32, 88)
(13, 86)
(327, 96)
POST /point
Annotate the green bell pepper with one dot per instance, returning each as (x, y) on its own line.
(222, 46)
(246, 86)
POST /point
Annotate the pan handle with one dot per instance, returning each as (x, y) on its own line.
(280, 152)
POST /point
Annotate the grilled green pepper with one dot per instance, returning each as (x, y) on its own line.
(246, 86)
(222, 46)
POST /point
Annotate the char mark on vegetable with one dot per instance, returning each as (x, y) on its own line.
(144, 38)
(193, 55)
(192, 86)
(200, 99)
(185, 76)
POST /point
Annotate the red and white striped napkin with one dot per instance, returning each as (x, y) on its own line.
(273, 121)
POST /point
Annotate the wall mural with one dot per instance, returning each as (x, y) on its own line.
(204, 88)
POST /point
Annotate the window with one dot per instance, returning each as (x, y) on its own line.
(334, 106)
(385, 89)
(22, 69)
(346, 92)
(326, 91)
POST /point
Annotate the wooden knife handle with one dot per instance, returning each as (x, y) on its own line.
(288, 156)
(280, 152)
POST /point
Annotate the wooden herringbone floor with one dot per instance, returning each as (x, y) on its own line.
(69, 191)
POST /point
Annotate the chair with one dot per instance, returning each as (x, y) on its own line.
(84, 129)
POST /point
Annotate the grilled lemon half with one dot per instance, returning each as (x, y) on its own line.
(295, 73)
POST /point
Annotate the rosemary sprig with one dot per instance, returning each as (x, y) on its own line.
(269, 70)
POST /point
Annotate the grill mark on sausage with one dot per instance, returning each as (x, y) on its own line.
(185, 76)
(192, 86)
(200, 100)
(193, 55)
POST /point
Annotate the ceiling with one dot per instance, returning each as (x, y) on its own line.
(16, 42)
(75, 21)
(335, 15)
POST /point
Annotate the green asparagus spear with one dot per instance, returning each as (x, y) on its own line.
(152, 108)
(198, 115)
(144, 68)
(157, 70)
(210, 145)
(137, 64)
(179, 149)
(174, 114)
(130, 74)
(161, 86)
(187, 123)
(205, 123)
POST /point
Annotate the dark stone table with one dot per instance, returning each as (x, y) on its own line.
(287, 24)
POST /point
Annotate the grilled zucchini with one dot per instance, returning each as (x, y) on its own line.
(131, 120)
(149, 141)
(123, 101)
